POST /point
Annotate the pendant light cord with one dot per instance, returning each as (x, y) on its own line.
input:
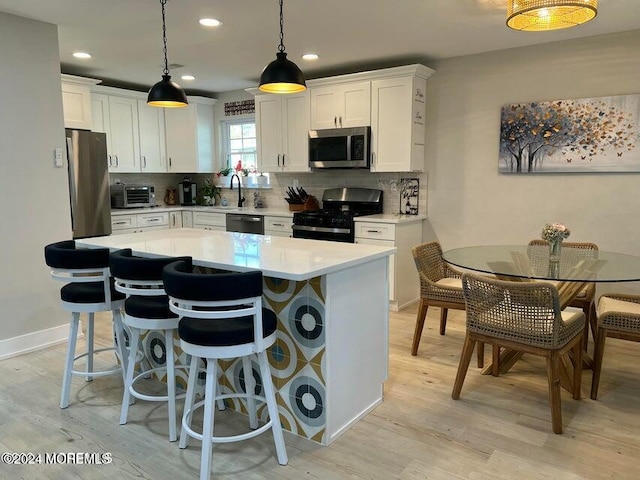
(164, 38)
(281, 46)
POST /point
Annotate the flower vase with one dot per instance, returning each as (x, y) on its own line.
(555, 248)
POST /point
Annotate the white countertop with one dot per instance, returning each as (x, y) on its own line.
(391, 218)
(275, 212)
(279, 257)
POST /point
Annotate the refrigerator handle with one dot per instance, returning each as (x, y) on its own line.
(72, 181)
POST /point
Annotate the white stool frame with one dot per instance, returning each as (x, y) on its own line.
(86, 275)
(253, 307)
(166, 325)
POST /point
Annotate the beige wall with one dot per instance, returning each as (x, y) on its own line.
(469, 202)
(35, 206)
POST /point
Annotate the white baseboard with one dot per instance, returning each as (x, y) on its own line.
(12, 347)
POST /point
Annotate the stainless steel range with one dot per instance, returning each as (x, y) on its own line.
(335, 222)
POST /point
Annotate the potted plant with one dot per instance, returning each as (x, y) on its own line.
(221, 177)
(209, 192)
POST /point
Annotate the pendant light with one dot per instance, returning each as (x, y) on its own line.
(166, 93)
(542, 15)
(282, 75)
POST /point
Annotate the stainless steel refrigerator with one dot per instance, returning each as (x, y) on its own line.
(88, 183)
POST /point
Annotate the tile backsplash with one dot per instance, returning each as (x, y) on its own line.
(314, 183)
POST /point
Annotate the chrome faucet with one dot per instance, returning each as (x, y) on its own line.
(240, 197)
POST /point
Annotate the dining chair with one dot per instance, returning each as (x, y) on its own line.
(586, 298)
(526, 317)
(440, 286)
(618, 316)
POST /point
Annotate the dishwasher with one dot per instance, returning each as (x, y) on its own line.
(245, 223)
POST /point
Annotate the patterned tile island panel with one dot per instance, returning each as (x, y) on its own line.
(297, 358)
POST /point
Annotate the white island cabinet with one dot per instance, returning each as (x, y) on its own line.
(330, 360)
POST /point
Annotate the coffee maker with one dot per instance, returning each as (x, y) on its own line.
(187, 192)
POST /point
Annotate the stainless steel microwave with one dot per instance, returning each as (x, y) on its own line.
(339, 148)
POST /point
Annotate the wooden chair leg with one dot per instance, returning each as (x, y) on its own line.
(601, 335)
(417, 334)
(463, 366)
(443, 320)
(587, 315)
(480, 354)
(553, 377)
(577, 370)
(495, 361)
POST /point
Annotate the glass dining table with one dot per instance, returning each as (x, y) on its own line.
(571, 271)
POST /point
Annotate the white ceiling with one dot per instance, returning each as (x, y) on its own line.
(125, 36)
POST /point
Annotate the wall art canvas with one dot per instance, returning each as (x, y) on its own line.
(409, 189)
(580, 135)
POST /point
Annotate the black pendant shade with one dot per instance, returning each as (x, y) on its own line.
(166, 93)
(282, 75)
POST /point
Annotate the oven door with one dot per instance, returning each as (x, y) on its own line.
(324, 233)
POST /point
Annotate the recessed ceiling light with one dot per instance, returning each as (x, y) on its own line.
(210, 22)
(309, 56)
(188, 77)
(81, 55)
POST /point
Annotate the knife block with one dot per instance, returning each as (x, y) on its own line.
(310, 204)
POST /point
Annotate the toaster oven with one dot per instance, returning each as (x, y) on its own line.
(132, 196)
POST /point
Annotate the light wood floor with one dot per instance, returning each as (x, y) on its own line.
(499, 429)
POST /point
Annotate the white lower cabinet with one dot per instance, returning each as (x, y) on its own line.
(141, 222)
(210, 221)
(187, 219)
(278, 226)
(175, 219)
(404, 285)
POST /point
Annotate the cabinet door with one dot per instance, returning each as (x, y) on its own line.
(397, 126)
(76, 105)
(175, 220)
(102, 121)
(187, 219)
(181, 139)
(392, 261)
(325, 106)
(355, 108)
(269, 132)
(152, 138)
(296, 117)
(125, 140)
(341, 105)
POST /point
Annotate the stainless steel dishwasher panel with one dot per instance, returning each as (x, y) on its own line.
(245, 223)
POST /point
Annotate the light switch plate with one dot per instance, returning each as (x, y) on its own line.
(58, 158)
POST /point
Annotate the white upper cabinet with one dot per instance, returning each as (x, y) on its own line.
(398, 124)
(76, 101)
(341, 105)
(117, 116)
(153, 153)
(282, 126)
(190, 137)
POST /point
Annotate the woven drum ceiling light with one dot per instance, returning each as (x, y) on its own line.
(166, 93)
(542, 15)
(282, 75)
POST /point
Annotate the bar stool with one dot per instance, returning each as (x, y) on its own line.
(221, 317)
(89, 289)
(146, 308)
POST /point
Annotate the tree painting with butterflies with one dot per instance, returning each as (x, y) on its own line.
(578, 135)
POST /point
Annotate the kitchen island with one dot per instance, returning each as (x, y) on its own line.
(331, 355)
